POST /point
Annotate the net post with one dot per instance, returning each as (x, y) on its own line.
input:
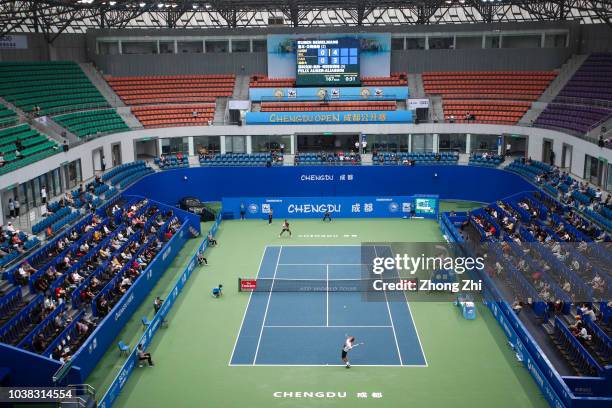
(239, 284)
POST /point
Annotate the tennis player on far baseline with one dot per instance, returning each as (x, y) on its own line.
(348, 345)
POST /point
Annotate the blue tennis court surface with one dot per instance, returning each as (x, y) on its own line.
(297, 328)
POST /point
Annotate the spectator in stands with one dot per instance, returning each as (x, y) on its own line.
(142, 355)
(451, 119)
(2, 161)
(517, 306)
(583, 335)
(39, 344)
(102, 305)
(43, 194)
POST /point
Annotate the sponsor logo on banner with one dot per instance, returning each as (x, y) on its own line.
(322, 93)
(365, 93)
(317, 177)
(378, 92)
(406, 207)
(248, 284)
(335, 93)
(393, 207)
(166, 253)
(265, 208)
(291, 93)
(124, 306)
(279, 93)
(313, 208)
(253, 208)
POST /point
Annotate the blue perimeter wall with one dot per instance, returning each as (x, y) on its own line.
(468, 183)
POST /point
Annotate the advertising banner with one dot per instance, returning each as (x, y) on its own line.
(309, 118)
(425, 206)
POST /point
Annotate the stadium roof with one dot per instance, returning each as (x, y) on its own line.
(53, 17)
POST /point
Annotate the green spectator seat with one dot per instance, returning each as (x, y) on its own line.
(7, 116)
(92, 122)
(55, 87)
(31, 145)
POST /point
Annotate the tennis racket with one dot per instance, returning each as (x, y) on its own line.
(358, 344)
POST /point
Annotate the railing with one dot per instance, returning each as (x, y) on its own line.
(81, 394)
(572, 100)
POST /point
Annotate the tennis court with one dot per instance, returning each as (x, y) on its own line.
(307, 307)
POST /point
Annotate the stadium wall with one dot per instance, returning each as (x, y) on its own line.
(536, 137)
(214, 183)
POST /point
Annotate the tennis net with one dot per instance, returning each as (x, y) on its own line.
(314, 285)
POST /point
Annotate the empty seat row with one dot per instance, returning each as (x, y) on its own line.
(52, 86)
(92, 122)
(139, 90)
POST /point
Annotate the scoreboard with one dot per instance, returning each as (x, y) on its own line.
(322, 62)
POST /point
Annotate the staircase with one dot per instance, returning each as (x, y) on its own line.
(596, 131)
(437, 110)
(126, 114)
(96, 78)
(532, 114)
(220, 111)
(54, 131)
(241, 88)
(566, 71)
(366, 159)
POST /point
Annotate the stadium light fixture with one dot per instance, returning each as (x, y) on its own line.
(112, 3)
(160, 5)
(142, 4)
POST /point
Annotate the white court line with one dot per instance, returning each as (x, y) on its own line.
(263, 255)
(358, 327)
(322, 264)
(413, 321)
(399, 353)
(330, 365)
(267, 305)
(327, 296)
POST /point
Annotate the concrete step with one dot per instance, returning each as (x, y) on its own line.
(412, 85)
(126, 114)
(241, 87)
(97, 79)
(52, 129)
(566, 71)
(436, 108)
(221, 111)
(532, 114)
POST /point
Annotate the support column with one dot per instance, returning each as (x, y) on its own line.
(190, 145)
(249, 144)
(468, 143)
(436, 147)
(222, 144)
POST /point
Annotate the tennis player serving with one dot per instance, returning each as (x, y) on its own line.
(349, 344)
